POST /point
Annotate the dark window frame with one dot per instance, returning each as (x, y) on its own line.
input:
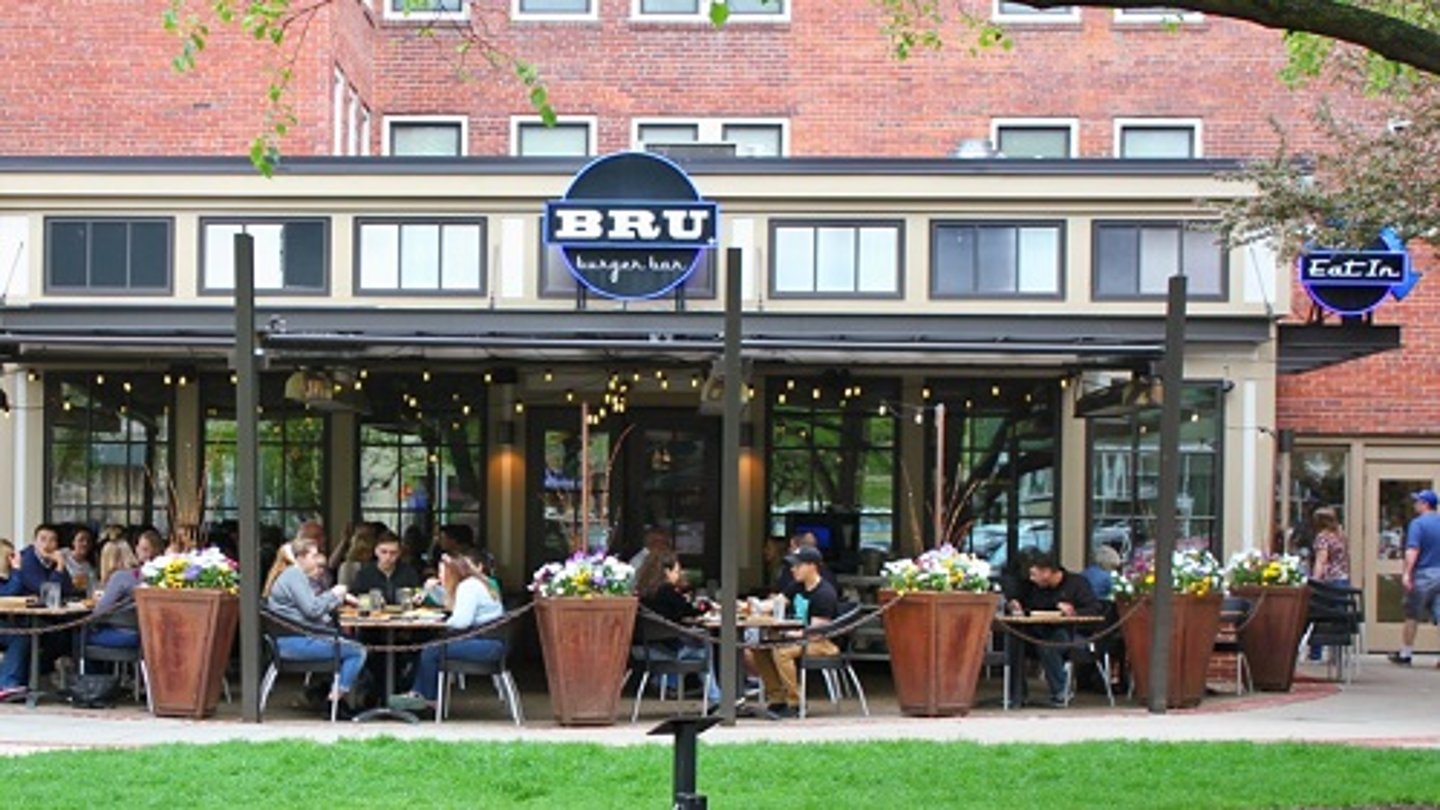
(327, 254)
(856, 224)
(440, 291)
(88, 289)
(1060, 270)
(1096, 226)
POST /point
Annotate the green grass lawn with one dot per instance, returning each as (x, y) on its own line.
(874, 776)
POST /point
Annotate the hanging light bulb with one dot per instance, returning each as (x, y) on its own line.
(425, 375)
(549, 375)
(749, 392)
(489, 377)
(919, 417)
(359, 384)
(635, 376)
(570, 395)
(790, 385)
(99, 379)
(664, 384)
(364, 373)
(858, 391)
(167, 379)
(519, 406)
(465, 409)
(882, 410)
(1064, 383)
(925, 393)
(234, 380)
(815, 392)
(694, 380)
(66, 406)
(659, 374)
(781, 398)
(969, 403)
(184, 381)
(32, 376)
(126, 385)
(994, 390)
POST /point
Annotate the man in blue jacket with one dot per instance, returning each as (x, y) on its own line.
(42, 562)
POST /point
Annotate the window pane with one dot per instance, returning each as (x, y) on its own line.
(1034, 142)
(1018, 9)
(954, 260)
(304, 255)
(220, 255)
(835, 260)
(461, 259)
(109, 249)
(1039, 260)
(150, 255)
(1157, 142)
(997, 264)
(554, 6)
(67, 254)
(670, 6)
(758, 6)
(794, 259)
(425, 139)
(1117, 261)
(669, 133)
(879, 260)
(379, 257)
(1159, 258)
(561, 140)
(754, 140)
(420, 257)
(1203, 264)
(426, 5)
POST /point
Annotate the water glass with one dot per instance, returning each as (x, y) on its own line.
(778, 605)
(50, 594)
(377, 599)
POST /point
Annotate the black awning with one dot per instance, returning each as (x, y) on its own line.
(1309, 346)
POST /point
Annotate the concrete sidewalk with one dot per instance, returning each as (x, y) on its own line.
(1385, 706)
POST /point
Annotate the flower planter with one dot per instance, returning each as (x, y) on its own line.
(937, 644)
(1192, 638)
(586, 645)
(1272, 638)
(187, 635)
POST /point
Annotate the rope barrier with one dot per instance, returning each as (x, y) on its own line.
(334, 634)
(60, 627)
(1079, 643)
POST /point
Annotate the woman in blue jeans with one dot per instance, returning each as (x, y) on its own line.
(115, 613)
(290, 596)
(471, 600)
(16, 648)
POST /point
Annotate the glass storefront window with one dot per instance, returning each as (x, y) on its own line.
(1317, 478)
(1124, 457)
(833, 453)
(107, 449)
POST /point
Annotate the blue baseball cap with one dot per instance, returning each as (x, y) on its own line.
(1428, 496)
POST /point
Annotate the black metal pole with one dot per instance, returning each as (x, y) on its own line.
(247, 401)
(685, 757)
(731, 528)
(1172, 378)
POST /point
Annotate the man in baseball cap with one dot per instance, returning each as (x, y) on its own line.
(1421, 579)
(811, 601)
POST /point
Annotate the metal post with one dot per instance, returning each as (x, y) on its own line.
(939, 496)
(247, 451)
(1172, 378)
(731, 528)
(583, 544)
(686, 730)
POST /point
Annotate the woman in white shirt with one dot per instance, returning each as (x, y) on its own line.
(471, 602)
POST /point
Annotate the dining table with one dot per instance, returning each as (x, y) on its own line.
(1015, 647)
(36, 616)
(765, 626)
(389, 623)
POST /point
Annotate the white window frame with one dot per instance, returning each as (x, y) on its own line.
(1072, 17)
(337, 116)
(1132, 17)
(711, 130)
(366, 124)
(703, 15)
(389, 122)
(1196, 125)
(591, 122)
(352, 135)
(593, 15)
(425, 16)
(1072, 124)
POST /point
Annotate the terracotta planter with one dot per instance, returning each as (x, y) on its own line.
(1272, 638)
(586, 644)
(1192, 638)
(187, 636)
(937, 644)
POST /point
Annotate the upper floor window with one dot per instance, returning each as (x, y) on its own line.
(1005, 11)
(836, 258)
(699, 10)
(995, 259)
(567, 137)
(1137, 259)
(1035, 137)
(291, 255)
(1158, 138)
(752, 137)
(422, 10)
(555, 9)
(1157, 14)
(420, 255)
(556, 280)
(426, 135)
(108, 254)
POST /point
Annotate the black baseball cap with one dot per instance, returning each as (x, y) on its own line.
(804, 555)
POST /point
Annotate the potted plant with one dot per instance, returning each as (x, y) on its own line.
(585, 609)
(937, 630)
(1279, 600)
(187, 609)
(1198, 583)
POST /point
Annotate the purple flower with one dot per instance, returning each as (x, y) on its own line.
(192, 573)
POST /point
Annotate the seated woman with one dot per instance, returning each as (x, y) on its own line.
(16, 649)
(290, 596)
(471, 602)
(119, 576)
(80, 561)
(658, 585)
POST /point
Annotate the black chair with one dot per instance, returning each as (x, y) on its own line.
(1235, 611)
(1336, 620)
(835, 668)
(120, 658)
(273, 628)
(498, 671)
(653, 635)
(995, 657)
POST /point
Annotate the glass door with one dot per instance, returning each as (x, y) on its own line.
(1387, 494)
(673, 480)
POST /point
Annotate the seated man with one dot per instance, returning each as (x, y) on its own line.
(812, 601)
(43, 562)
(785, 581)
(386, 573)
(1052, 588)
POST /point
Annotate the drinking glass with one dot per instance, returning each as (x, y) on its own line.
(50, 594)
(377, 599)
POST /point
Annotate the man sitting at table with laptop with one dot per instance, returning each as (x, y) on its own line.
(812, 601)
(1052, 590)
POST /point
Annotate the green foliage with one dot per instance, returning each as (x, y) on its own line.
(1118, 775)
